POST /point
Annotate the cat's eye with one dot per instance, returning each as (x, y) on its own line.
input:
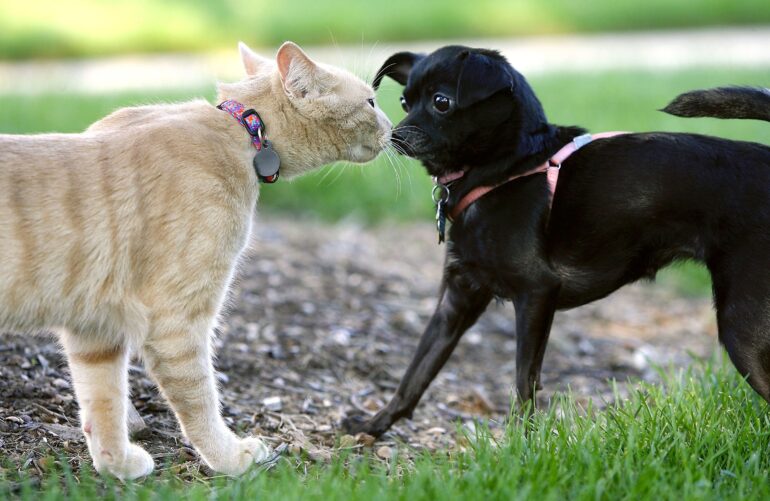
(441, 103)
(371, 102)
(404, 104)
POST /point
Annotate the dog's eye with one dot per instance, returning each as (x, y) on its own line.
(441, 103)
(371, 102)
(404, 104)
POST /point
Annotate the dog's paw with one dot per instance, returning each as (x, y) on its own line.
(354, 424)
(134, 463)
(239, 458)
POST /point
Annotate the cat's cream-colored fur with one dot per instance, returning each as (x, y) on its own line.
(124, 239)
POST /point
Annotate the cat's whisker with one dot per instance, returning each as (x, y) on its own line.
(398, 178)
(399, 159)
(394, 164)
(340, 168)
(335, 44)
(369, 78)
(399, 128)
(401, 162)
(326, 172)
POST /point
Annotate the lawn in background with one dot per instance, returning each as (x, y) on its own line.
(702, 434)
(398, 188)
(50, 28)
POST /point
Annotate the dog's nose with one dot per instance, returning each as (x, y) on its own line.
(399, 141)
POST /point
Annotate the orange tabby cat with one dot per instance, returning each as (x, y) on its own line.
(125, 238)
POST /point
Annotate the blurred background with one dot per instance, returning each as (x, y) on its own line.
(603, 64)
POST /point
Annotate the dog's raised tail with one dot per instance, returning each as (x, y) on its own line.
(723, 102)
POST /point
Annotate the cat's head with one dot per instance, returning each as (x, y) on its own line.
(314, 113)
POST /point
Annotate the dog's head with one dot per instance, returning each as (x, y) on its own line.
(465, 108)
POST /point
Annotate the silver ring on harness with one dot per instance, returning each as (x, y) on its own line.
(442, 191)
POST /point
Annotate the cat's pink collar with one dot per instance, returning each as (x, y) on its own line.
(252, 122)
(250, 119)
(550, 166)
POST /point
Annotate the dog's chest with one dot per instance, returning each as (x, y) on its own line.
(503, 256)
(487, 269)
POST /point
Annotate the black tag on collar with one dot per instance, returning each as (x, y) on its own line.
(441, 220)
(267, 163)
(440, 195)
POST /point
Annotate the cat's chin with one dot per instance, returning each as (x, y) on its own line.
(362, 153)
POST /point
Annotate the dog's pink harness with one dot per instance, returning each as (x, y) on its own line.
(551, 167)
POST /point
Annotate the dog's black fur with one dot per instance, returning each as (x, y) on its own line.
(624, 208)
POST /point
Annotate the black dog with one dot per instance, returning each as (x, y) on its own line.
(624, 207)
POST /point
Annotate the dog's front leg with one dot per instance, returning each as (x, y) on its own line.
(534, 315)
(459, 307)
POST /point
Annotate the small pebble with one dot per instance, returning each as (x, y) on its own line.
(60, 383)
(273, 404)
(308, 407)
(384, 452)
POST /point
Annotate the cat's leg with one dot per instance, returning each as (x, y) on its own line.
(179, 357)
(100, 378)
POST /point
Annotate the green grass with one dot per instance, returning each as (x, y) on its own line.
(48, 28)
(383, 190)
(702, 434)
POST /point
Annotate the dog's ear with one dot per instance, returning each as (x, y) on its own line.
(481, 76)
(301, 77)
(397, 67)
(252, 62)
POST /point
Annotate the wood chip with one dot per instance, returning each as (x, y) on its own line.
(348, 441)
(365, 439)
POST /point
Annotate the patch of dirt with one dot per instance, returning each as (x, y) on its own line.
(323, 322)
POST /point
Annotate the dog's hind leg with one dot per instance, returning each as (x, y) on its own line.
(742, 300)
(460, 305)
(534, 315)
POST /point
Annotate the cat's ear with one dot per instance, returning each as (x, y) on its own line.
(253, 63)
(301, 77)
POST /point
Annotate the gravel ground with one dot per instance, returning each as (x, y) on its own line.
(323, 322)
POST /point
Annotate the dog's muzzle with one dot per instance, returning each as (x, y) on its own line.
(401, 144)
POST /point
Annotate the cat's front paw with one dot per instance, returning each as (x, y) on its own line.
(135, 463)
(245, 453)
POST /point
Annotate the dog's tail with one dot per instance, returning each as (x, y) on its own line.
(723, 102)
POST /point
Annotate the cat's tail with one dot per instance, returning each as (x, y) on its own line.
(723, 102)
